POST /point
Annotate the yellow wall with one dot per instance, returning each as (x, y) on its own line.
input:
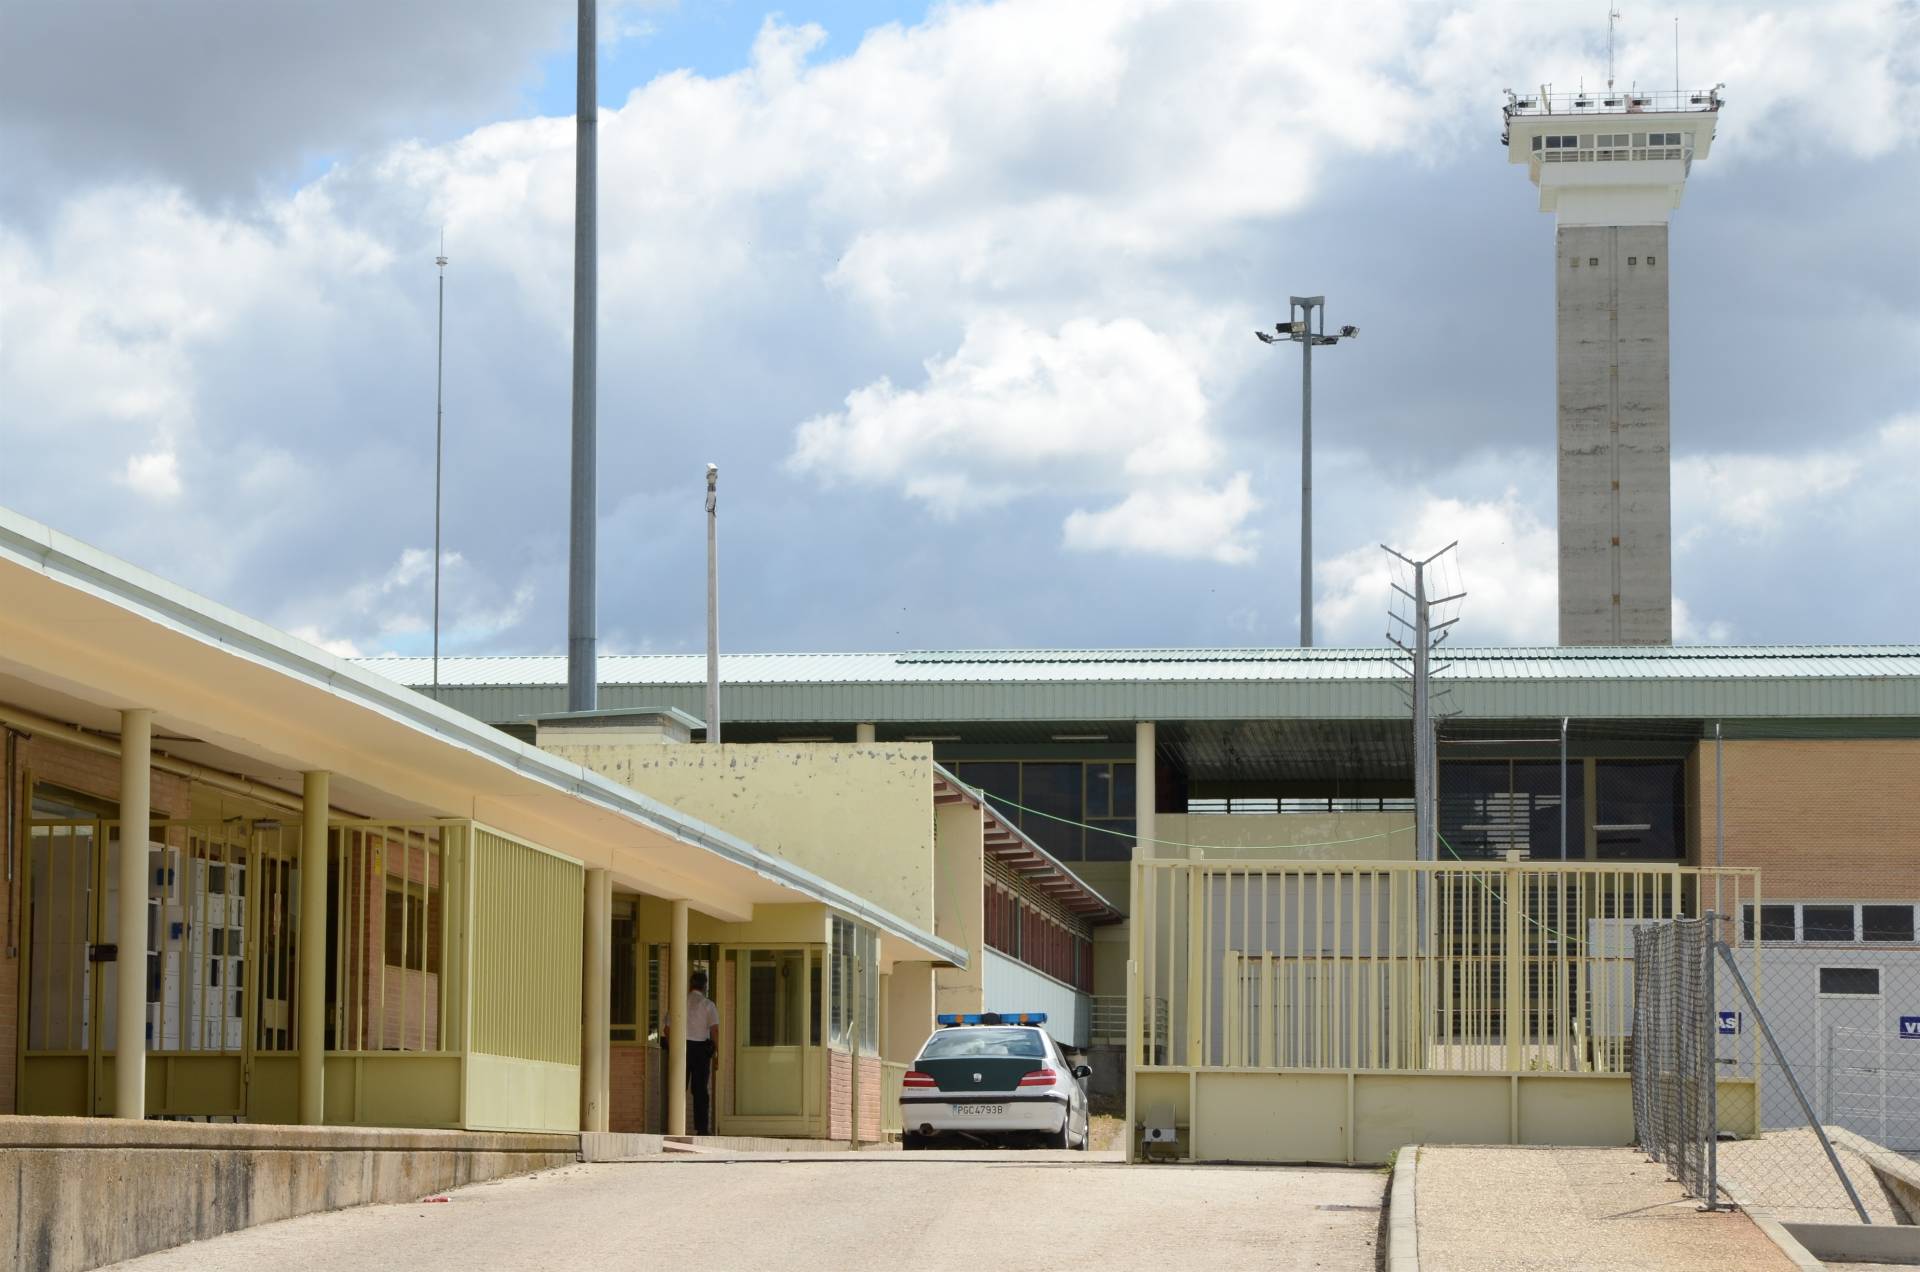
(859, 816)
(909, 1010)
(960, 875)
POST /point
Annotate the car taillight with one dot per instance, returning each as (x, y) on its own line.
(915, 1078)
(1040, 1077)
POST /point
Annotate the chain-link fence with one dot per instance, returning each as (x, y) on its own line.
(1674, 1117)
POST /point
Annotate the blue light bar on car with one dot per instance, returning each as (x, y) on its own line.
(950, 1018)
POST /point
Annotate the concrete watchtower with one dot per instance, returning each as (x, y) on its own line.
(1612, 167)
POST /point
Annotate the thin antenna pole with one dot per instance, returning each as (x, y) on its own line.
(713, 602)
(583, 684)
(439, 435)
(1676, 59)
(1613, 16)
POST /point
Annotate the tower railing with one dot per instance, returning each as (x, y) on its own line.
(1633, 102)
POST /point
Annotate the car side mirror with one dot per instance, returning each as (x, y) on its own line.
(1082, 1071)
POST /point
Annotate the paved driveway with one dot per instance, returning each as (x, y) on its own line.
(841, 1211)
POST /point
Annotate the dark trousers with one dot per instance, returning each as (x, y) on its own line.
(700, 1077)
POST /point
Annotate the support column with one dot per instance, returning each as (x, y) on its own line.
(130, 971)
(676, 1011)
(1143, 789)
(863, 733)
(310, 987)
(596, 1002)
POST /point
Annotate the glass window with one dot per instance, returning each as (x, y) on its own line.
(1640, 810)
(1099, 791)
(1051, 797)
(1826, 923)
(625, 985)
(1862, 982)
(1113, 841)
(1536, 143)
(1124, 794)
(1776, 923)
(1887, 923)
(406, 935)
(1001, 782)
(968, 1041)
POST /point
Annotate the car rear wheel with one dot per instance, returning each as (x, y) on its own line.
(1063, 1138)
(912, 1141)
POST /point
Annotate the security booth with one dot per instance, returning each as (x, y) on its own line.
(798, 994)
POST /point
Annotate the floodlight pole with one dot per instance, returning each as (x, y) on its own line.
(583, 684)
(1304, 306)
(1299, 327)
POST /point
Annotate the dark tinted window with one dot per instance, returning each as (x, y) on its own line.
(1887, 922)
(1776, 923)
(1850, 980)
(1001, 782)
(974, 1040)
(1639, 808)
(1826, 923)
(1051, 794)
(1113, 841)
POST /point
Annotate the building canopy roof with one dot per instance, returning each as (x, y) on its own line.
(1712, 682)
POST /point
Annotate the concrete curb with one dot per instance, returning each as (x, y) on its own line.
(1403, 1225)
(1788, 1244)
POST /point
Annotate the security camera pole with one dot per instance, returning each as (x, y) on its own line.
(713, 603)
(583, 685)
(1299, 328)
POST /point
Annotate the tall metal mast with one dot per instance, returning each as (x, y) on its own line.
(582, 671)
(713, 602)
(439, 362)
(1423, 637)
(1299, 327)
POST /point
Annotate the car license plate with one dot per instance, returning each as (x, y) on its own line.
(978, 1110)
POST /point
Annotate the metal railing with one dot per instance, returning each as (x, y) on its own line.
(1107, 1019)
(891, 1120)
(1632, 101)
(1487, 967)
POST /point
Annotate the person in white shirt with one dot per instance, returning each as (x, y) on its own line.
(703, 1048)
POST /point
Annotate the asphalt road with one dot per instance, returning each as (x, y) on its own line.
(858, 1212)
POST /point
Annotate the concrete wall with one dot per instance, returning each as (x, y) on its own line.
(1615, 471)
(959, 872)
(91, 1192)
(1825, 819)
(859, 816)
(1011, 985)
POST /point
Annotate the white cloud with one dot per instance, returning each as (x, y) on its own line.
(1182, 520)
(1751, 498)
(1092, 408)
(1506, 561)
(333, 645)
(155, 474)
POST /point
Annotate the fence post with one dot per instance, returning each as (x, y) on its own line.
(1711, 1065)
(1514, 974)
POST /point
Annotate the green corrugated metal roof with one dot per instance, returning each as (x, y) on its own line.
(1731, 682)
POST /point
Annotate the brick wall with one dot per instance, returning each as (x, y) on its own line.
(629, 1097)
(1819, 818)
(87, 773)
(840, 1095)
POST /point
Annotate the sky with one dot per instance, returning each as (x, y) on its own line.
(960, 298)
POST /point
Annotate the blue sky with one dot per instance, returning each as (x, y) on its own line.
(963, 307)
(709, 39)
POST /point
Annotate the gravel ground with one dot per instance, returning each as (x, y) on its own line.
(1787, 1173)
(858, 1212)
(1559, 1209)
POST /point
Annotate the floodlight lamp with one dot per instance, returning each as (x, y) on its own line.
(1264, 337)
(1349, 332)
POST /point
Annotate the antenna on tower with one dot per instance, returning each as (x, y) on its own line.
(1613, 16)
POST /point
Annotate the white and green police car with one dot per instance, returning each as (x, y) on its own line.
(993, 1077)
